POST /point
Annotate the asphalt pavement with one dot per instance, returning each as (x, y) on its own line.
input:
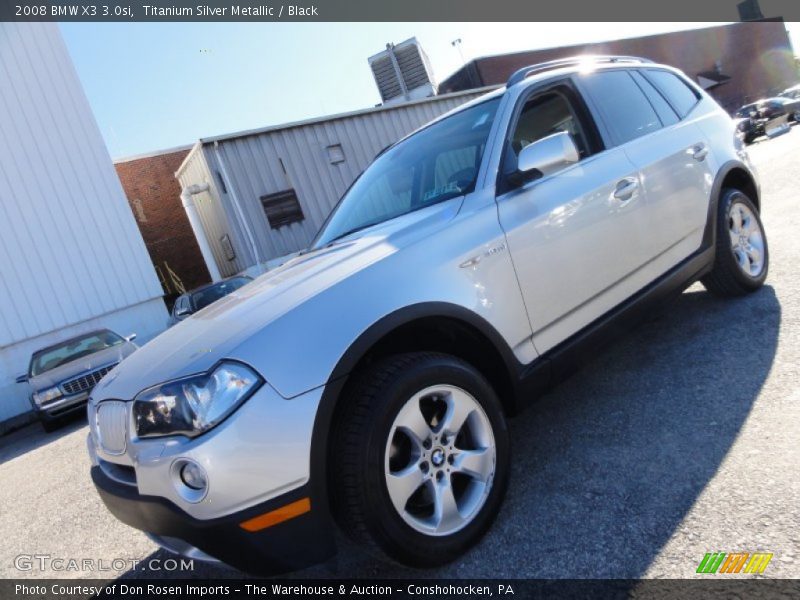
(683, 438)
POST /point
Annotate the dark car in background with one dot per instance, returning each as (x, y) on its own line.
(766, 117)
(197, 299)
(63, 375)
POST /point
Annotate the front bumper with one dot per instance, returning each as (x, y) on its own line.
(295, 543)
(257, 460)
(62, 407)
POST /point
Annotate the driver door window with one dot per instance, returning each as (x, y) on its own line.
(543, 115)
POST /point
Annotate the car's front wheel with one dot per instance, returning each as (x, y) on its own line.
(421, 458)
(742, 255)
(49, 424)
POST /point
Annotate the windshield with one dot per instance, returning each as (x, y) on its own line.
(213, 293)
(437, 163)
(55, 356)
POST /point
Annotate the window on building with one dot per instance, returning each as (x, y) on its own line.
(624, 108)
(282, 208)
(138, 208)
(227, 247)
(335, 154)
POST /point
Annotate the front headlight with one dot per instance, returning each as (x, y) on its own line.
(193, 405)
(46, 396)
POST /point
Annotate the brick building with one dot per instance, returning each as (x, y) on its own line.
(736, 63)
(154, 197)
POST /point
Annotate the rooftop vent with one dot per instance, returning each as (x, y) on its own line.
(403, 72)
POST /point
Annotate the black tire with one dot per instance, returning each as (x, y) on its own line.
(728, 279)
(361, 500)
(49, 425)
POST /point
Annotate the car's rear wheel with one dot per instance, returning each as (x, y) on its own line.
(742, 255)
(421, 458)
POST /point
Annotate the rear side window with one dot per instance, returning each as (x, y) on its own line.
(623, 106)
(664, 110)
(675, 90)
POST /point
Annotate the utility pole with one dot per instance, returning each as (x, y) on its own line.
(457, 45)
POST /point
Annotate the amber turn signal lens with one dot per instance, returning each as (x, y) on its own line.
(279, 515)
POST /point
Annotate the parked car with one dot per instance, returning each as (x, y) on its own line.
(792, 92)
(766, 117)
(792, 107)
(197, 299)
(367, 382)
(62, 376)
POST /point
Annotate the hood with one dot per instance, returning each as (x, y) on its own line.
(197, 343)
(81, 366)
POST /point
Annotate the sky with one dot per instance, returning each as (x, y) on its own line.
(154, 86)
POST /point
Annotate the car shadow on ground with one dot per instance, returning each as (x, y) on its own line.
(607, 465)
(32, 436)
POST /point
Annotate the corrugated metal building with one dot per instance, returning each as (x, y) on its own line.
(71, 257)
(269, 190)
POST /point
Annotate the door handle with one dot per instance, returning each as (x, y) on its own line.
(699, 152)
(626, 188)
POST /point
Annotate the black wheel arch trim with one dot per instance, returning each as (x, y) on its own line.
(320, 441)
(415, 312)
(710, 232)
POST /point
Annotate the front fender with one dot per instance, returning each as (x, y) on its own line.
(304, 348)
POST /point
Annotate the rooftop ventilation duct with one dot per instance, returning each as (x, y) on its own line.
(403, 72)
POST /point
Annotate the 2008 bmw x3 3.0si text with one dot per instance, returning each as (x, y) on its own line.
(367, 382)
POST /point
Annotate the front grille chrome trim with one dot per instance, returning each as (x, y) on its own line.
(112, 426)
(85, 382)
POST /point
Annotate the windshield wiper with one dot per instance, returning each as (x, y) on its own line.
(351, 231)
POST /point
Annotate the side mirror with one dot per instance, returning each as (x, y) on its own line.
(22, 379)
(182, 313)
(548, 155)
(130, 338)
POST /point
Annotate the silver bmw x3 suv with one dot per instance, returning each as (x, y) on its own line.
(367, 382)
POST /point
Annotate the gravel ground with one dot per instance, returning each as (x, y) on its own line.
(679, 440)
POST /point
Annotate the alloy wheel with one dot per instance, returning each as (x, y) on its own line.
(440, 460)
(747, 239)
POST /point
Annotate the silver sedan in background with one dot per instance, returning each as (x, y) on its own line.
(61, 376)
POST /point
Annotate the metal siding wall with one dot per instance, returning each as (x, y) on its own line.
(253, 163)
(70, 249)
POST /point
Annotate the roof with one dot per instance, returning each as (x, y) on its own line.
(314, 120)
(471, 72)
(344, 115)
(711, 79)
(153, 153)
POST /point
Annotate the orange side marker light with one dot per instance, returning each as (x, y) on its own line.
(279, 515)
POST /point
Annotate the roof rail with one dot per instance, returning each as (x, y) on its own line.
(525, 72)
